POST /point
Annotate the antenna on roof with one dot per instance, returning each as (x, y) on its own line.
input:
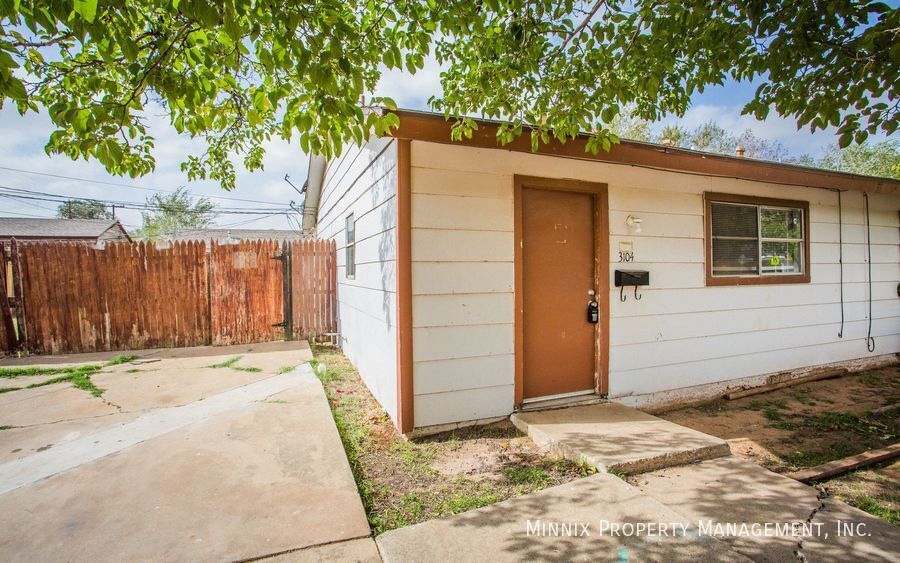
(288, 180)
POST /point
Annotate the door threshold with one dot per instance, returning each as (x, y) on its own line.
(547, 404)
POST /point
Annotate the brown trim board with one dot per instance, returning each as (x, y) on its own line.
(405, 396)
(601, 274)
(432, 127)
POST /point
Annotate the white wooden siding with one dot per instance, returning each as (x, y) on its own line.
(681, 333)
(363, 182)
(462, 274)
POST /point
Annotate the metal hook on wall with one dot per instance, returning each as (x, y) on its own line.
(636, 296)
(622, 297)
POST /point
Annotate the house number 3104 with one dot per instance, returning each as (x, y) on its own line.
(626, 256)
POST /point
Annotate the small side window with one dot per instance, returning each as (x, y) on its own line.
(350, 247)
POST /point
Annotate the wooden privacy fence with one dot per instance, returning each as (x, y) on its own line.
(78, 298)
(7, 328)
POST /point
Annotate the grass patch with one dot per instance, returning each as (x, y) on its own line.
(773, 415)
(285, 369)
(785, 425)
(714, 407)
(133, 370)
(874, 507)
(227, 363)
(121, 359)
(525, 475)
(763, 405)
(811, 458)
(31, 371)
(6, 427)
(79, 376)
(405, 481)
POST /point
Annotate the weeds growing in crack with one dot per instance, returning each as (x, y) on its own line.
(229, 363)
(78, 376)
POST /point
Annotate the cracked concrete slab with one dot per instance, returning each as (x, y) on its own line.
(732, 490)
(500, 532)
(863, 538)
(161, 388)
(112, 439)
(17, 443)
(60, 413)
(50, 404)
(246, 473)
(616, 438)
(360, 550)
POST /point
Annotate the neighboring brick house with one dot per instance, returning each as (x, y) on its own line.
(87, 231)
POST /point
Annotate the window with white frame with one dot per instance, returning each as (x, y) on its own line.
(756, 238)
(350, 247)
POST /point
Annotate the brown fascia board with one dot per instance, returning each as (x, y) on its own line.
(433, 127)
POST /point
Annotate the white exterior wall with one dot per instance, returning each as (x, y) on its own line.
(681, 333)
(363, 182)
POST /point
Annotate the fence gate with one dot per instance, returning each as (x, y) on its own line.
(77, 298)
(311, 310)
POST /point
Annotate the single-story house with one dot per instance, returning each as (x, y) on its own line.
(476, 279)
(86, 231)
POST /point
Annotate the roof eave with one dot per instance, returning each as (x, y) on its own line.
(315, 179)
(432, 127)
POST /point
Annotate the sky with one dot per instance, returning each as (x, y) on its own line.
(21, 148)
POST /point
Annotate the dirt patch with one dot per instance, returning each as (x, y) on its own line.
(814, 423)
(403, 482)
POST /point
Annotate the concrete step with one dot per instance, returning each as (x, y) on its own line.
(617, 439)
(563, 403)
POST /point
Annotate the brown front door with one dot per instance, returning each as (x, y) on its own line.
(557, 276)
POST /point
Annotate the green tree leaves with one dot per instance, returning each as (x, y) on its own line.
(173, 213)
(872, 159)
(86, 9)
(237, 73)
(76, 209)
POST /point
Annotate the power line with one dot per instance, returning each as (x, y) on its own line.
(24, 194)
(116, 184)
(29, 204)
(58, 197)
(245, 222)
(2, 213)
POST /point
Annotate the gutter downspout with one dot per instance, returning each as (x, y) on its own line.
(315, 179)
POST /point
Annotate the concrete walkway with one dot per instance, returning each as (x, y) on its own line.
(735, 490)
(236, 465)
(695, 503)
(564, 523)
(618, 439)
